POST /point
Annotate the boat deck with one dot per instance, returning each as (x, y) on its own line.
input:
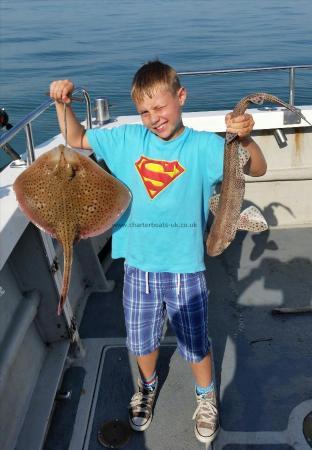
(262, 361)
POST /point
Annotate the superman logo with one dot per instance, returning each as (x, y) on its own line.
(157, 174)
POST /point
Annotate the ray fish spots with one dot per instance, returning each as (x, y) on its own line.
(69, 196)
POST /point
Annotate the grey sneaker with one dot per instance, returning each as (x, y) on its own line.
(206, 418)
(141, 408)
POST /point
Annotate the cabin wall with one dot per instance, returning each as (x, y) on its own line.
(284, 204)
(32, 270)
(284, 193)
(30, 329)
(20, 365)
(21, 382)
(28, 323)
(297, 155)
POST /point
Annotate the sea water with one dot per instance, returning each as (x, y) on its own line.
(99, 44)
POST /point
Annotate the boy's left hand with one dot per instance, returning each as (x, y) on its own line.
(240, 125)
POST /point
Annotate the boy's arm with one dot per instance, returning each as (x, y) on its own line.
(242, 126)
(60, 91)
(256, 166)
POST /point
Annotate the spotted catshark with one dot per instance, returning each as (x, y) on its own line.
(226, 206)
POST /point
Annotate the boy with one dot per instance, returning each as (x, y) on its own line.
(171, 171)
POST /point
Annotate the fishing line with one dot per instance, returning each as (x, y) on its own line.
(65, 125)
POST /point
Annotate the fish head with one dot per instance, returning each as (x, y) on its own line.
(257, 99)
(63, 162)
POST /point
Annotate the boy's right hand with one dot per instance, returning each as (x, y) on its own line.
(61, 90)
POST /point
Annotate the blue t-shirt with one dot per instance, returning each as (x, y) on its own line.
(171, 184)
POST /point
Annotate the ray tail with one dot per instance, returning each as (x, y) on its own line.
(68, 259)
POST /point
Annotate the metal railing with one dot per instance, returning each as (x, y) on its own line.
(291, 70)
(25, 123)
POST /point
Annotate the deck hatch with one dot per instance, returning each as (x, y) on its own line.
(114, 433)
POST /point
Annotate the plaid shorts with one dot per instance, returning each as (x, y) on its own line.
(148, 296)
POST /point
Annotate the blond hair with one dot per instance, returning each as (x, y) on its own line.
(152, 76)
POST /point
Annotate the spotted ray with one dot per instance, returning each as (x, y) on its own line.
(69, 196)
(226, 207)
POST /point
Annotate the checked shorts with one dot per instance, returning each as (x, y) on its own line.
(149, 296)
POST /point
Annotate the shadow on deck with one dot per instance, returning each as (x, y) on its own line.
(262, 362)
